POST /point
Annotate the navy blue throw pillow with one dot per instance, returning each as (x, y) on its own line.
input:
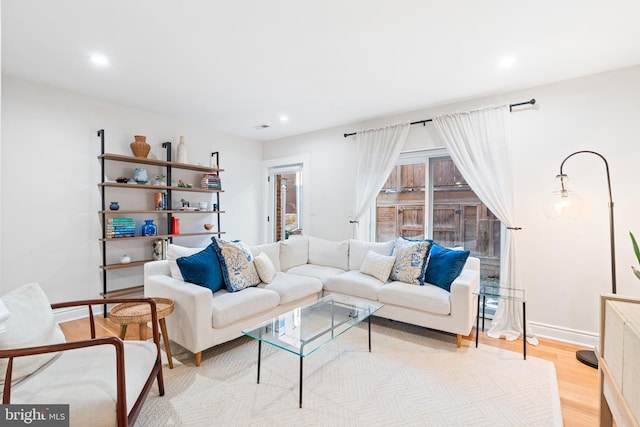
(444, 266)
(202, 268)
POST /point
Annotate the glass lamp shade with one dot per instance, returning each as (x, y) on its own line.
(562, 204)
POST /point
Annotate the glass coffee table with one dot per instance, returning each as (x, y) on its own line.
(304, 330)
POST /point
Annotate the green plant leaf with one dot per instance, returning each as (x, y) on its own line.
(636, 272)
(635, 246)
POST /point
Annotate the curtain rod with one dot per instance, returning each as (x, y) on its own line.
(422, 122)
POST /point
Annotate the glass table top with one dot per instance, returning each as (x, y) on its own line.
(305, 329)
(499, 292)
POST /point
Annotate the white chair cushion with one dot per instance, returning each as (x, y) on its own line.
(272, 250)
(86, 380)
(30, 323)
(264, 265)
(358, 251)
(429, 298)
(318, 271)
(292, 287)
(229, 307)
(355, 284)
(378, 266)
(173, 253)
(294, 251)
(329, 253)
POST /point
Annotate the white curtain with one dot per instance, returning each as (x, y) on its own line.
(479, 143)
(377, 153)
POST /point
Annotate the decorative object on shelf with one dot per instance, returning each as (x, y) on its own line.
(141, 176)
(182, 151)
(122, 179)
(215, 207)
(564, 203)
(140, 147)
(210, 181)
(158, 249)
(202, 206)
(126, 259)
(160, 179)
(120, 227)
(114, 206)
(149, 228)
(185, 203)
(175, 225)
(181, 184)
(208, 227)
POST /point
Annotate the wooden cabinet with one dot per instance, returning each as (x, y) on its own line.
(144, 206)
(619, 361)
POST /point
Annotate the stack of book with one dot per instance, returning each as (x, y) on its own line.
(120, 227)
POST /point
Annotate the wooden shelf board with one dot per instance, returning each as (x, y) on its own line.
(152, 211)
(127, 265)
(157, 187)
(159, 236)
(156, 162)
(123, 292)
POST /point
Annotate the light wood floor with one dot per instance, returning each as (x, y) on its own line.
(578, 384)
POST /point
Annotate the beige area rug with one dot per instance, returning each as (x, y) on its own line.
(412, 377)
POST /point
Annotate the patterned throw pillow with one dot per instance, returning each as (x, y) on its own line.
(237, 264)
(412, 257)
(378, 266)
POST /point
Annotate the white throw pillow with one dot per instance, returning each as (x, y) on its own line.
(358, 250)
(378, 266)
(264, 265)
(30, 324)
(173, 253)
(294, 252)
(329, 253)
(272, 250)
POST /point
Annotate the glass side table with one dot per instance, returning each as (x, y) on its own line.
(510, 294)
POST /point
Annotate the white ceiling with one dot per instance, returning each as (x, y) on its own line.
(232, 65)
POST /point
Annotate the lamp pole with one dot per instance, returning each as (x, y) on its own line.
(588, 357)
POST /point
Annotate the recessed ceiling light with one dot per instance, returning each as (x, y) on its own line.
(99, 59)
(284, 118)
(507, 62)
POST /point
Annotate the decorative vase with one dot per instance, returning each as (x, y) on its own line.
(126, 259)
(182, 151)
(158, 249)
(141, 176)
(149, 228)
(114, 206)
(139, 147)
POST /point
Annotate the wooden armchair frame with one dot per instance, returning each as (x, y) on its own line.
(121, 403)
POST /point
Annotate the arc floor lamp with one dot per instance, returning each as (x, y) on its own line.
(566, 204)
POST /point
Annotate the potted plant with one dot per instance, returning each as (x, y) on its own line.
(637, 252)
(160, 179)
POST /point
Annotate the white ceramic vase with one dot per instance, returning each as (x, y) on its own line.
(182, 151)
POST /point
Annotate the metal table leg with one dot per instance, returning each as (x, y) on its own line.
(301, 359)
(369, 319)
(524, 329)
(259, 353)
(478, 322)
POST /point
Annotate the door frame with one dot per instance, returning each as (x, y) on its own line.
(268, 233)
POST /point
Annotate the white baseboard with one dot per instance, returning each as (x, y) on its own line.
(571, 336)
(74, 313)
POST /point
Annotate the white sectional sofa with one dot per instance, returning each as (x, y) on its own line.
(306, 267)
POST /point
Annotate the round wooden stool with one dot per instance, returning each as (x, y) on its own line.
(132, 313)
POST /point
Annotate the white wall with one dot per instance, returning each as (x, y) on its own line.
(564, 266)
(49, 174)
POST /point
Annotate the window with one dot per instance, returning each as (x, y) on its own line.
(425, 195)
